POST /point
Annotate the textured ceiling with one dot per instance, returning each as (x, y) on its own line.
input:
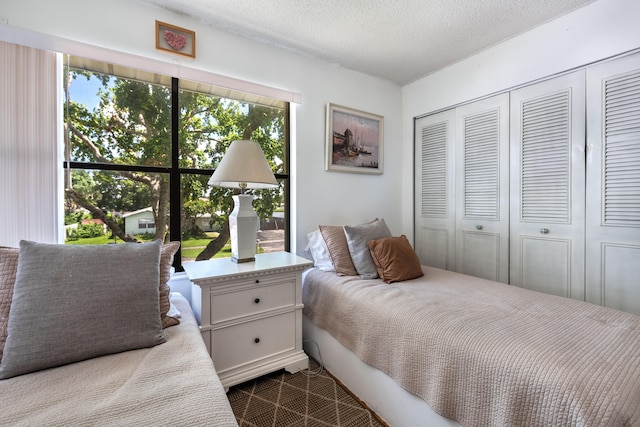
(397, 40)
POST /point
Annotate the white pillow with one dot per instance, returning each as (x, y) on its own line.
(319, 251)
(173, 310)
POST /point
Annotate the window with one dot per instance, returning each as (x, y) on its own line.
(142, 146)
(146, 223)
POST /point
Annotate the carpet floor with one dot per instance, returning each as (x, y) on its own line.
(309, 398)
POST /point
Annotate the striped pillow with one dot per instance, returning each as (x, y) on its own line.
(336, 241)
(8, 268)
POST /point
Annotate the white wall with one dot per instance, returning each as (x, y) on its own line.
(319, 197)
(597, 31)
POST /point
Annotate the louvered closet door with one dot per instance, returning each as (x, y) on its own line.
(613, 184)
(548, 186)
(482, 188)
(434, 187)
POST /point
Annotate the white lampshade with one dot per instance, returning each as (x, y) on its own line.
(243, 163)
(243, 166)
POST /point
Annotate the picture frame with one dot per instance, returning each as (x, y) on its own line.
(177, 40)
(354, 141)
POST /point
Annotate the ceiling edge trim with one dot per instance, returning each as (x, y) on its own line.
(17, 35)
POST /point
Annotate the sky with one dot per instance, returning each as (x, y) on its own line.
(84, 91)
(365, 129)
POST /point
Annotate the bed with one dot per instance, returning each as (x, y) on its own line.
(86, 345)
(447, 349)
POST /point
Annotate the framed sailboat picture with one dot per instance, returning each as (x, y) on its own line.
(355, 141)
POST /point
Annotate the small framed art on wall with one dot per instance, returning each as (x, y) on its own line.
(175, 39)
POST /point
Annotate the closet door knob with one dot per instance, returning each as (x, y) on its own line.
(257, 300)
(544, 230)
(257, 340)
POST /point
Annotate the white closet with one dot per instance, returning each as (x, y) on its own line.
(538, 187)
(613, 184)
(482, 186)
(462, 192)
(435, 201)
(548, 186)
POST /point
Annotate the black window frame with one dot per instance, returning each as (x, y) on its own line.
(175, 172)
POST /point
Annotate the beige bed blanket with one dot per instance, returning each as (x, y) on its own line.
(172, 384)
(484, 353)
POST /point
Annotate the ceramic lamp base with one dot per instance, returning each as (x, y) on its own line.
(243, 224)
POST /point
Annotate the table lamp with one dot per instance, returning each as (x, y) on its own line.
(243, 166)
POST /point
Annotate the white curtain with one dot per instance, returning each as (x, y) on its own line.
(30, 169)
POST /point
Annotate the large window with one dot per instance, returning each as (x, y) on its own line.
(140, 148)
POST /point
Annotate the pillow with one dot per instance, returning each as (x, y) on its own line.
(72, 303)
(166, 259)
(357, 238)
(8, 268)
(395, 259)
(173, 310)
(319, 251)
(336, 242)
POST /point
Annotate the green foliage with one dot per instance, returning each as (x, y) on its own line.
(145, 237)
(100, 240)
(74, 217)
(85, 231)
(266, 202)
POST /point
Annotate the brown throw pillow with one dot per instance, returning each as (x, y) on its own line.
(167, 252)
(395, 259)
(336, 241)
(8, 269)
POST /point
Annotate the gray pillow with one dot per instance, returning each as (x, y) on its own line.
(357, 238)
(72, 303)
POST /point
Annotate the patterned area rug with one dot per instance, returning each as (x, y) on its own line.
(309, 398)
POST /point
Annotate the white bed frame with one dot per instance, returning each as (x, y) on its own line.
(396, 406)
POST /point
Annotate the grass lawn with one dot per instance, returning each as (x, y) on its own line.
(192, 253)
(100, 240)
(190, 247)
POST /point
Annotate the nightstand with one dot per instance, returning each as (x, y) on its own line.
(250, 314)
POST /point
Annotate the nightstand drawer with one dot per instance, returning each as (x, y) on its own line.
(251, 341)
(271, 295)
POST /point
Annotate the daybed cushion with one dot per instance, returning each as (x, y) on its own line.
(173, 384)
(336, 241)
(395, 259)
(167, 252)
(72, 303)
(357, 238)
(317, 247)
(8, 268)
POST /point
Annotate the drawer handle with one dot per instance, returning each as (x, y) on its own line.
(257, 300)
(257, 281)
(257, 340)
(479, 227)
(544, 230)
